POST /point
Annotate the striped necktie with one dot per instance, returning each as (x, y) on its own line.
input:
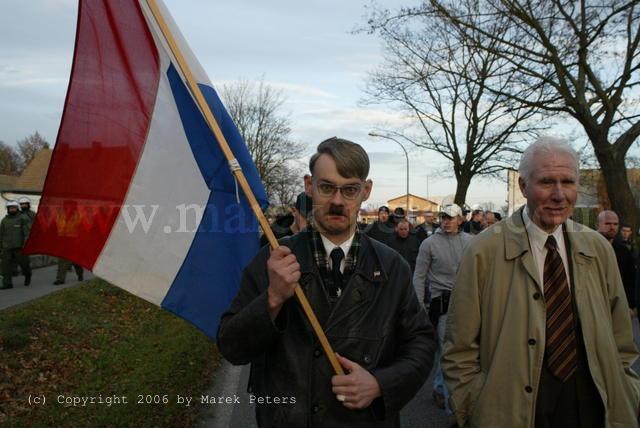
(561, 336)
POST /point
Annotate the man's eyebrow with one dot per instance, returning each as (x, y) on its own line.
(355, 183)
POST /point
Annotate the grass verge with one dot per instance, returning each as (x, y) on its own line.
(96, 340)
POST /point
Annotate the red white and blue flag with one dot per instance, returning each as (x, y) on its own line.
(138, 190)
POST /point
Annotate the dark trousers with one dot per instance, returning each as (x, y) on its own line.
(11, 257)
(63, 267)
(438, 307)
(574, 403)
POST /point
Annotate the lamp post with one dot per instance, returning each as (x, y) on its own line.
(373, 134)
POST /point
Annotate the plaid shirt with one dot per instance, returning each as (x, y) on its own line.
(322, 262)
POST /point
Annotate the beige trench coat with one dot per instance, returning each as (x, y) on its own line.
(495, 339)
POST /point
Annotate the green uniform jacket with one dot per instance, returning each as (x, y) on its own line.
(30, 216)
(13, 231)
(491, 364)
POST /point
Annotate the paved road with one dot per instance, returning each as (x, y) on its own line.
(421, 412)
(41, 285)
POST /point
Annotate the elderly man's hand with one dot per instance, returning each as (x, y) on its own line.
(284, 274)
(358, 388)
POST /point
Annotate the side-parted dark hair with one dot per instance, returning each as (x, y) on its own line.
(350, 158)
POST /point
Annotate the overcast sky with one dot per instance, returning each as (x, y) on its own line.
(307, 49)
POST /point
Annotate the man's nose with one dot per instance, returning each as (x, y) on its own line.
(337, 198)
(558, 193)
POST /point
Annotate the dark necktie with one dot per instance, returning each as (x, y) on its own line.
(561, 336)
(336, 257)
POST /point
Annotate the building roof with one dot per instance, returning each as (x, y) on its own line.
(32, 178)
(404, 197)
(7, 182)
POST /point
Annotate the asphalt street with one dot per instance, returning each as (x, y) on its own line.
(41, 285)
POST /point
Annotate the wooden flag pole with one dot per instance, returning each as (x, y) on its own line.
(239, 175)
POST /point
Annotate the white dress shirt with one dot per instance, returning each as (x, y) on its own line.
(330, 246)
(537, 239)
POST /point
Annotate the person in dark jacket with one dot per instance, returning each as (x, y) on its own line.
(405, 243)
(14, 229)
(627, 239)
(398, 215)
(476, 224)
(608, 225)
(491, 218)
(382, 229)
(293, 222)
(426, 228)
(362, 296)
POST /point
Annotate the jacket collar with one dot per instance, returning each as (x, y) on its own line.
(368, 266)
(358, 295)
(517, 241)
(578, 246)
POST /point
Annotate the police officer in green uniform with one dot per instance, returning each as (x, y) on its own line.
(25, 209)
(14, 229)
(63, 268)
(30, 215)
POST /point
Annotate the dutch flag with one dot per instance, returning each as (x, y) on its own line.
(138, 190)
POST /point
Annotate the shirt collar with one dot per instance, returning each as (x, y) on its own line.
(329, 246)
(537, 236)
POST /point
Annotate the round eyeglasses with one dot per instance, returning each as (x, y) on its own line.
(348, 191)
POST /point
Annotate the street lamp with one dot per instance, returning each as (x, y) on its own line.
(373, 134)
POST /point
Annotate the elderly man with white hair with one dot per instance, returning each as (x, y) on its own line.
(538, 331)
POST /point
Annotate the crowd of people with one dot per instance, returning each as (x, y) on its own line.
(528, 319)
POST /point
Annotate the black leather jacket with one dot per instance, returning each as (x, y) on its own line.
(377, 322)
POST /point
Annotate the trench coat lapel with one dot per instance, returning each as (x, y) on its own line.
(581, 254)
(517, 245)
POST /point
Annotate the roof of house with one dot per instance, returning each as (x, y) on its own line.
(7, 182)
(404, 197)
(32, 178)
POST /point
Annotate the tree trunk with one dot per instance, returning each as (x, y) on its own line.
(614, 172)
(462, 186)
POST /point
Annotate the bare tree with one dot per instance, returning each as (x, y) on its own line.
(633, 162)
(9, 160)
(580, 58)
(441, 80)
(288, 185)
(256, 109)
(28, 148)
